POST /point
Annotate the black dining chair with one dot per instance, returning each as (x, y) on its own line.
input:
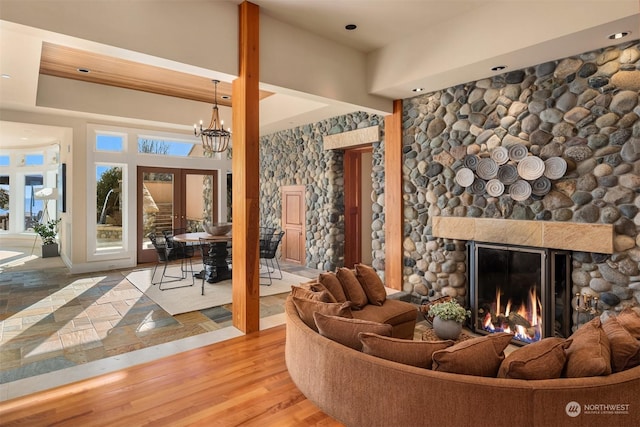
(269, 243)
(168, 250)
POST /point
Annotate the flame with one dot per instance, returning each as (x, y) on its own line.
(530, 310)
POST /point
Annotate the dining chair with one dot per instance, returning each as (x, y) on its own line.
(208, 262)
(269, 243)
(168, 250)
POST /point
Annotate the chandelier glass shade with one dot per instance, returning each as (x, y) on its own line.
(215, 139)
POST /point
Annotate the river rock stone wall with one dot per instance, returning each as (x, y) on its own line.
(584, 109)
(296, 157)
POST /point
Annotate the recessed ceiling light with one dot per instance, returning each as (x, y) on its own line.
(6, 76)
(417, 89)
(616, 36)
(84, 70)
(350, 27)
(498, 68)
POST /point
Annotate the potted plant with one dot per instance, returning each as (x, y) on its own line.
(448, 318)
(47, 233)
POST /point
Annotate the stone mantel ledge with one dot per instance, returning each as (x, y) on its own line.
(597, 238)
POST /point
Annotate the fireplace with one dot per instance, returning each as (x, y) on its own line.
(522, 290)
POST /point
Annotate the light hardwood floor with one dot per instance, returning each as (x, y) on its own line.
(242, 381)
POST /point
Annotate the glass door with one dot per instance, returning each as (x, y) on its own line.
(170, 199)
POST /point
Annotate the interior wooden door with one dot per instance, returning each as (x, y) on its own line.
(293, 220)
(357, 208)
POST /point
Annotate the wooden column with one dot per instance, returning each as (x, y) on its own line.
(393, 215)
(245, 168)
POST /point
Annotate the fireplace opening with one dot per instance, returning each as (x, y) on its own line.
(521, 290)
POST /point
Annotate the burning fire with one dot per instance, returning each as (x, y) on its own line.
(524, 321)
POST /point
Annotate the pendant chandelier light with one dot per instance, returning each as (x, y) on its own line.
(214, 139)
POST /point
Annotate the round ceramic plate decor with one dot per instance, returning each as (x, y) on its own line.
(478, 187)
(464, 177)
(520, 190)
(508, 174)
(495, 188)
(487, 168)
(555, 167)
(500, 155)
(541, 186)
(470, 161)
(531, 168)
(518, 152)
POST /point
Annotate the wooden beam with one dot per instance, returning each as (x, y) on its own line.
(246, 178)
(393, 215)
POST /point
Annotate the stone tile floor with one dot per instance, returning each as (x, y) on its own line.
(52, 320)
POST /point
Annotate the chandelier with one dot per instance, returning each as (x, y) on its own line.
(214, 139)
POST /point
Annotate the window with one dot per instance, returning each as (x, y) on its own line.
(34, 159)
(4, 202)
(4, 160)
(106, 142)
(33, 208)
(165, 147)
(109, 208)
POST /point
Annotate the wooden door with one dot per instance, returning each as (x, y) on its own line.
(357, 211)
(293, 221)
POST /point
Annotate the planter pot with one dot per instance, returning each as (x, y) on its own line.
(49, 251)
(446, 329)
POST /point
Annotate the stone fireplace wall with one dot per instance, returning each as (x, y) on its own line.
(583, 108)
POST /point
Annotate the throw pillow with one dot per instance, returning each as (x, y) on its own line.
(307, 307)
(371, 284)
(322, 296)
(589, 354)
(408, 352)
(352, 288)
(480, 356)
(625, 349)
(345, 331)
(333, 285)
(540, 360)
(630, 320)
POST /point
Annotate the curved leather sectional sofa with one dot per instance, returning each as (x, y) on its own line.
(362, 390)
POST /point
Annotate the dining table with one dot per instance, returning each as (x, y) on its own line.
(218, 251)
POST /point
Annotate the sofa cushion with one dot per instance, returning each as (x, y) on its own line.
(393, 312)
(625, 349)
(589, 354)
(322, 296)
(306, 308)
(630, 320)
(480, 356)
(540, 360)
(371, 283)
(352, 288)
(330, 281)
(345, 331)
(408, 352)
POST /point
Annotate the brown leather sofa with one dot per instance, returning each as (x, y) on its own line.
(362, 390)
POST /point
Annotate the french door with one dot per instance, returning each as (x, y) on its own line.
(171, 199)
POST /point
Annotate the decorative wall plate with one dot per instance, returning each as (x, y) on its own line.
(518, 152)
(487, 168)
(470, 161)
(464, 177)
(531, 168)
(500, 155)
(508, 174)
(520, 190)
(495, 188)
(555, 167)
(541, 186)
(478, 187)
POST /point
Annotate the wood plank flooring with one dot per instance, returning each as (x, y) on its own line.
(242, 381)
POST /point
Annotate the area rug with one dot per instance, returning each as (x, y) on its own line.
(186, 299)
